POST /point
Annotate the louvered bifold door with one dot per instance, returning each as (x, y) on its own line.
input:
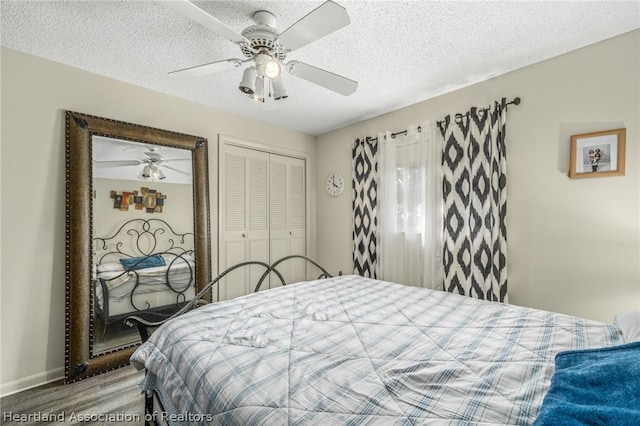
(287, 210)
(244, 210)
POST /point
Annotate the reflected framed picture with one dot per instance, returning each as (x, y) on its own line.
(598, 154)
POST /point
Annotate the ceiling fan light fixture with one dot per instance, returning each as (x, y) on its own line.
(146, 172)
(272, 69)
(247, 85)
(152, 173)
(259, 92)
(268, 66)
(279, 92)
(160, 175)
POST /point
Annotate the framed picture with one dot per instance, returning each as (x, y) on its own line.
(598, 154)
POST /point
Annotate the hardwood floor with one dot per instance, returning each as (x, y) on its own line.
(106, 399)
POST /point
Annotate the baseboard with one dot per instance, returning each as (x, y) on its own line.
(36, 380)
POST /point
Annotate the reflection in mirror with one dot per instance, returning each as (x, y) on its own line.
(137, 234)
(142, 209)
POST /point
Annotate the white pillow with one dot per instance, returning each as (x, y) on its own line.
(110, 267)
(168, 258)
(630, 326)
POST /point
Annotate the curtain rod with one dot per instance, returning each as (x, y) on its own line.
(515, 101)
(393, 135)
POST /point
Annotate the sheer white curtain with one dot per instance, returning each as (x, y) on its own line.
(410, 204)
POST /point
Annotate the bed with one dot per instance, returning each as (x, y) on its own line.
(144, 267)
(353, 350)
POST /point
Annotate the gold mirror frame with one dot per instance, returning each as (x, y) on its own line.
(80, 128)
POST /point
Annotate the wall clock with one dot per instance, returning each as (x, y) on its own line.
(335, 184)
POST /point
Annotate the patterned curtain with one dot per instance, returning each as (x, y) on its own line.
(475, 203)
(364, 155)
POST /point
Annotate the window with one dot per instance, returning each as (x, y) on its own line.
(410, 187)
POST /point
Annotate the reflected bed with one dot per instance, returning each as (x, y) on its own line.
(145, 268)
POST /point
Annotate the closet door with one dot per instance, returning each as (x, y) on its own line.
(244, 212)
(287, 215)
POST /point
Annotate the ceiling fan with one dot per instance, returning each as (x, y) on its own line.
(151, 165)
(265, 49)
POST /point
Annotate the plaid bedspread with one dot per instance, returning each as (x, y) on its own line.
(352, 350)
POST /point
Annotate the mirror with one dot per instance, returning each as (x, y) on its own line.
(142, 207)
(137, 234)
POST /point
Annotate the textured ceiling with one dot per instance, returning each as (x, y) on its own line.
(399, 52)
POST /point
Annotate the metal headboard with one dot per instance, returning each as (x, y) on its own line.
(142, 237)
(145, 325)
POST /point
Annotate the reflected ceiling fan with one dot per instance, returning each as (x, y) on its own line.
(151, 164)
(265, 49)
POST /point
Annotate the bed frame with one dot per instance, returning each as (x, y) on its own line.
(142, 238)
(146, 325)
(153, 405)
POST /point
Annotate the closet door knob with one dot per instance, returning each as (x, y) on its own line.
(244, 235)
(290, 232)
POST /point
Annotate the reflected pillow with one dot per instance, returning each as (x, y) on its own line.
(110, 267)
(143, 262)
(169, 258)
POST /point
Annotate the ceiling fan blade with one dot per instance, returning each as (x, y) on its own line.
(211, 68)
(323, 78)
(175, 170)
(323, 20)
(198, 15)
(117, 163)
(165, 160)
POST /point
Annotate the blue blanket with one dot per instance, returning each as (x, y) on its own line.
(594, 387)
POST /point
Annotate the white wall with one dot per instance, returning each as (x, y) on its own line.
(35, 94)
(573, 245)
